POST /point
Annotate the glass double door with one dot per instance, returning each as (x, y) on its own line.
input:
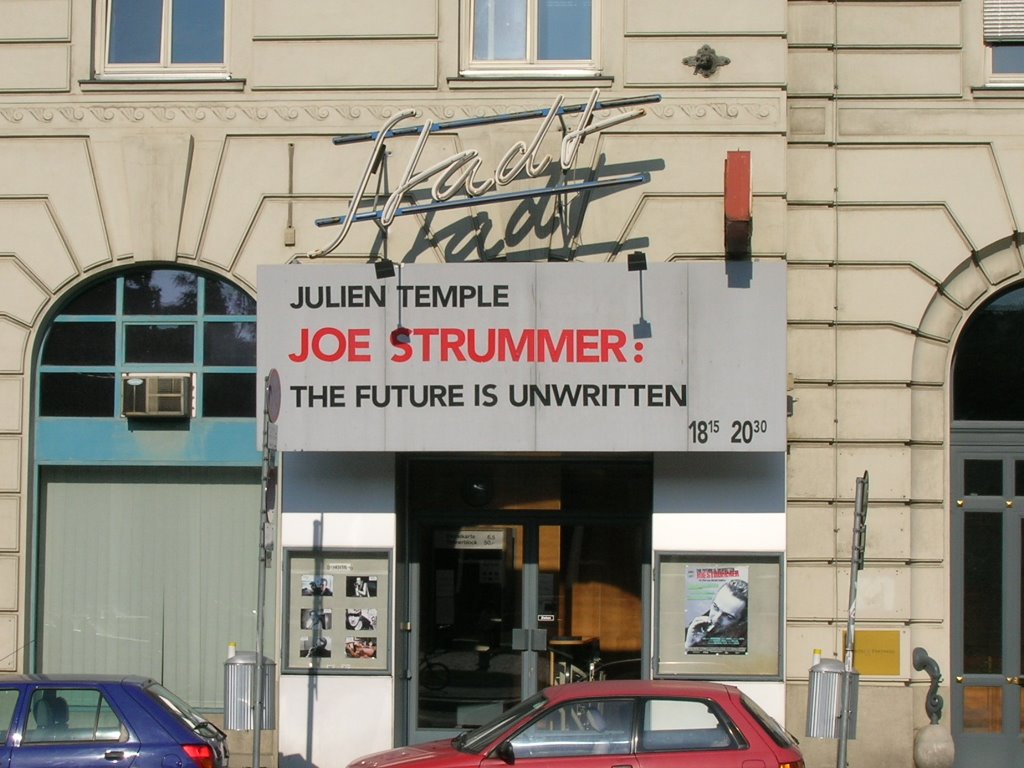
(505, 601)
(988, 612)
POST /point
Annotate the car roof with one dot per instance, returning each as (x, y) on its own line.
(610, 688)
(62, 678)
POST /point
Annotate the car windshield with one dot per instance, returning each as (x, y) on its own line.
(184, 710)
(477, 740)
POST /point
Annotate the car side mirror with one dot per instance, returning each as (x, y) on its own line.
(505, 752)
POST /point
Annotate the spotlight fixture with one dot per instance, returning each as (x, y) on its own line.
(637, 261)
(384, 268)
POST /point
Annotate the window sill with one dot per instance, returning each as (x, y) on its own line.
(154, 83)
(529, 79)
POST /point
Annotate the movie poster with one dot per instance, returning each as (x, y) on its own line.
(716, 607)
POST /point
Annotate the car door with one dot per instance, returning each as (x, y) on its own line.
(689, 733)
(584, 733)
(71, 727)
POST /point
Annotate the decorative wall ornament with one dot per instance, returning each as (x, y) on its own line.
(705, 62)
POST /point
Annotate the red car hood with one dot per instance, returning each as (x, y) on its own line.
(432, 753)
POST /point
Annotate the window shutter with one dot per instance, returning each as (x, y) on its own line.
(1004, 21)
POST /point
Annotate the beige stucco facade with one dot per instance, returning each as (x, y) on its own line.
(886, 172)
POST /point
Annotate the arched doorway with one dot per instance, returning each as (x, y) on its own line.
(987, 517)
(147, 479)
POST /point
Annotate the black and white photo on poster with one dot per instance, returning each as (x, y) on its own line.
(360, 586)
(315, 647)
(361, 618)
(314, 585)
(316, 618)
(716, 609)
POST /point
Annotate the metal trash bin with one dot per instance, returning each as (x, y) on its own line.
(240, 692)
(825, 700)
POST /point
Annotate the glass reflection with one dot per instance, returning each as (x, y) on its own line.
(983, 593)
(987, 381)
(79, 344)
(563, 30)
(161, 292)
(983, 477)
(229, 344)
(158, 343)
(499, 30)
(983, 709)
(224, 299)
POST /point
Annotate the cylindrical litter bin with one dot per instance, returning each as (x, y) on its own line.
(825, 700)
(240, 692)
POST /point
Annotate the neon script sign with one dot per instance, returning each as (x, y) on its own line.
(459, 180)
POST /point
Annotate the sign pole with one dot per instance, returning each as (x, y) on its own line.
(268, 498)
(860, 527)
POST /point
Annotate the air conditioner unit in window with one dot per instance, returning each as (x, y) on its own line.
(156, 395)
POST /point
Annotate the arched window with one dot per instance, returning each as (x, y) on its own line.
(988, 372)
(156, 320)
(147, 527)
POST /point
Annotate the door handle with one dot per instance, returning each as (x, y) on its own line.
(114, 754)
(1016, 680)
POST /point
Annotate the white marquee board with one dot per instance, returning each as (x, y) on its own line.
(526, 357)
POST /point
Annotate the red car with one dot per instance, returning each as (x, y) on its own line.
(615, 724)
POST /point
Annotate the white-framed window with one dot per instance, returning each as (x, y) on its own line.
(552, 36)
(1004, 40)
(176, 38)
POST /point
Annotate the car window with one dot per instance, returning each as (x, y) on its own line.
(684, 724)
(594, 727)
(184, 711)
(8, 703)
(71, 714)
(779, 735)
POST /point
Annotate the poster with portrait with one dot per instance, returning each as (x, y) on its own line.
(716, 610)
(719, 615)
(337, 608)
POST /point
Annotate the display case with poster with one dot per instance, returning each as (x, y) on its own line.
(337, 605)
(718, 615)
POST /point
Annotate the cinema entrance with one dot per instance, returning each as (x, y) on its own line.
(522, 573)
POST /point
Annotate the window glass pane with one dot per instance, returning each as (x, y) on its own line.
(229, 344)
(161, 292)
(8, 701)
(79, 344)
(48, 720)
(983, 709)
(576, 729)
(158, 343)
(1018, 479)
(987, 381)
(563, 29)
(983, 593)
(983, 477)
(76, 394)
(135, 31)
(100, 299)
(681, 724)
(1007, 59)
(197, 32)
(224, 299)
(499, 30)
(229, 394)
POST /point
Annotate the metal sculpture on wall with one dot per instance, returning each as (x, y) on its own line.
(706, 62)
(933, 701)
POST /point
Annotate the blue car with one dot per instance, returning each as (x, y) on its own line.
(78, 720)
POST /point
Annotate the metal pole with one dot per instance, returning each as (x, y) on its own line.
(860, 513)
(268, 486)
